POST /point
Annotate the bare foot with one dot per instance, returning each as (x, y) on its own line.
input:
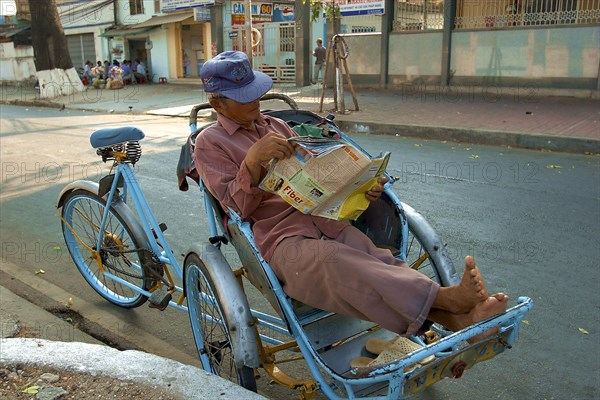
(490, 307)
(462, 298)
(476, 278)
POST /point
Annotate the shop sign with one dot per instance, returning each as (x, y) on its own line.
(261, 12)
(202, 14)
(172, 5)
(361, 7)
(283, 12)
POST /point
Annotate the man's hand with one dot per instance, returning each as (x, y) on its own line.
(272, 145)
(376, 190)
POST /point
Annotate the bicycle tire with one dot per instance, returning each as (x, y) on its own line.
(212, 334)
(82, 211)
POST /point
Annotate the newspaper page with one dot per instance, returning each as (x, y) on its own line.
(326, 177)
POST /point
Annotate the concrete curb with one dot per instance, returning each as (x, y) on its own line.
(476, 136)
(184, 381)
(32, 103)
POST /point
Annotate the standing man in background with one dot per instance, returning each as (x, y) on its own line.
(320, 53)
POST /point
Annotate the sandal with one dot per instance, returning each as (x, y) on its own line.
(389, 351)
(377, 345)
(365, 364)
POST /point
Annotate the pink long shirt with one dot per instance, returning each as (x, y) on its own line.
(219, 154)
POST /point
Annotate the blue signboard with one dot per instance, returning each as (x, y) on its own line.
(283, 12)
(349, 8)
(172, 5)
(202, 14)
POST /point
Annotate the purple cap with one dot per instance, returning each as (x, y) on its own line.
(231, 75)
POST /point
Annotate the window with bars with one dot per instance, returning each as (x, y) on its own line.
(414, 15)
(473, 14)
(287, 38)
(136, 7)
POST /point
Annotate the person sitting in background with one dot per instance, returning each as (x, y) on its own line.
(114, 71)
(115, 76)
(139, 71)
(128, 76)
(87, 77)
(98, 71)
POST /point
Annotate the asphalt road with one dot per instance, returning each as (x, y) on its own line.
(531, 220)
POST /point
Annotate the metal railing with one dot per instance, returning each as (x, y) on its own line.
(415, 15)
(510, 13)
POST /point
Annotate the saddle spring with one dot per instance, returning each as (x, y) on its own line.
(132, 149)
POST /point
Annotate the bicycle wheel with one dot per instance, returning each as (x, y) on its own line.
(210, 326)
(82, 213)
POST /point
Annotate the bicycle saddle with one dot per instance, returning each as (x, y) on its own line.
(107, 137)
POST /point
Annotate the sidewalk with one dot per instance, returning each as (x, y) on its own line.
(517, 117)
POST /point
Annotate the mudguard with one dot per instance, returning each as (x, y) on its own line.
(236, 307)
(437, 251)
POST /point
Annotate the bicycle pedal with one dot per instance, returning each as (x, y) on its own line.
(162, 226)
(160, 299)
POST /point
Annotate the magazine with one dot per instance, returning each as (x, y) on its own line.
(326, 177)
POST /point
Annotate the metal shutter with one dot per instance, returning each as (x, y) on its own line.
(81, 49)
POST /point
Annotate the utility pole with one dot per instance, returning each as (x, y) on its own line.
(248, 28)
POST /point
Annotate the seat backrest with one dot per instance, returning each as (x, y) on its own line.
(382, 223)
(297, 117)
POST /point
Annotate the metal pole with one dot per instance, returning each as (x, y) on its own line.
(303, 45)
(449, 16)
(387, 23)
(248, 22)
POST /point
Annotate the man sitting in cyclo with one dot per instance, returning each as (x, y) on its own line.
(321, 262)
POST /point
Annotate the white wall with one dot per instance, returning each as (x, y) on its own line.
(568, 52)
(16, 64)
(159, 53)
(124, 16)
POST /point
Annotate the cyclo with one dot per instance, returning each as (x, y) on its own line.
(124, 256)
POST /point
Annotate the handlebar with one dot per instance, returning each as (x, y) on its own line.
(269, 96)
(280, 96)
(196, 109)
